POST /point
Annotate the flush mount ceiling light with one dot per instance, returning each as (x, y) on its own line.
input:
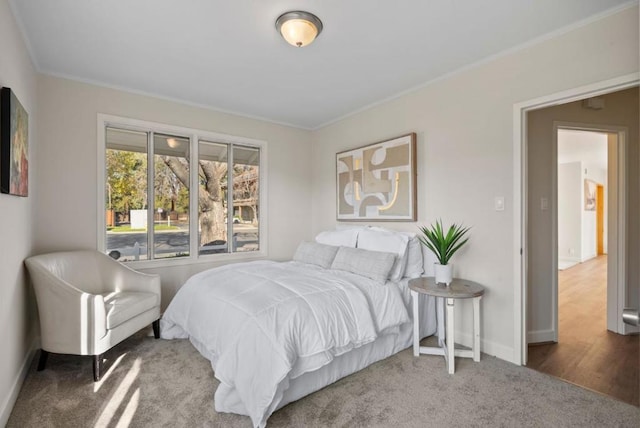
(299, 28)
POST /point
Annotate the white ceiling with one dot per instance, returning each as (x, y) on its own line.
(586, 146)
(227, 55)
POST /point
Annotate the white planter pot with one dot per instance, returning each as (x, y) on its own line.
(443, 273)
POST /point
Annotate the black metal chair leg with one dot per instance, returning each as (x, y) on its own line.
(156, 329)
(42, 362)
(97, 361)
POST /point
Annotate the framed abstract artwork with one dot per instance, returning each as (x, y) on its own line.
(14, 145)
(378, 182)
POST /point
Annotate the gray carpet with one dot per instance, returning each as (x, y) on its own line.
(167, 383)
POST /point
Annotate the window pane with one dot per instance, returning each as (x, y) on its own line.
(171, 196)
(212, 199)
(126, 194)
(246, 187)
(149, 197)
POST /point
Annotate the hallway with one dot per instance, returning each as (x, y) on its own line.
(586, 353)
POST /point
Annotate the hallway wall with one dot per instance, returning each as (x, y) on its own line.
(570, 212)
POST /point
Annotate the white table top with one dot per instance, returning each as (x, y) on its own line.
(458, 289)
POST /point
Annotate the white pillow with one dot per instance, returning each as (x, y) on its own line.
(371, 264)
(316, 254)
(415, 258)
(387, 241)
(339, 238)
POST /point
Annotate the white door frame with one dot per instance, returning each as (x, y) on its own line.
(520, 191)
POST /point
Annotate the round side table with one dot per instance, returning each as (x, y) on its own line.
(458, 289)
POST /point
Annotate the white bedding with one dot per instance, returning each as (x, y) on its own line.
(264, 324)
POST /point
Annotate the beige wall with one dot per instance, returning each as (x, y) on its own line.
(17, 327)
(464, 125)
(621, 109)
(67, 179)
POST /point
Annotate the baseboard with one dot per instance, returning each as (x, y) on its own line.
(10, 401)
(491, 348)
(540, 336)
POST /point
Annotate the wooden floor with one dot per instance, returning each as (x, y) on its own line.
(587, 354)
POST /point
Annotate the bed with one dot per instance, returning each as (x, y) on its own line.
(277, 331)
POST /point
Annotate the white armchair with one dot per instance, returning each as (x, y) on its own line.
(89, 302)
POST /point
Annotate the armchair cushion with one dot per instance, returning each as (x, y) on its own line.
(124, 305)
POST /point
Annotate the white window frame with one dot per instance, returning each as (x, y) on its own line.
(194, 136)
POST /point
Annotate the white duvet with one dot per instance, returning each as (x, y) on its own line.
(264, 323)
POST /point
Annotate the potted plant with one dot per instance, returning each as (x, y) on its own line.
(444, 245)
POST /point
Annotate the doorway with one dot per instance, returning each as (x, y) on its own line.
(588, 157)
(582, 166)
(545, 246)
(521, 264)
(540, 120)
(582, 342)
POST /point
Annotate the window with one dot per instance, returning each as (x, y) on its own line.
(150, 212)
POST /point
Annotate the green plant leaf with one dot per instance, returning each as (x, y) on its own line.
(443, 245)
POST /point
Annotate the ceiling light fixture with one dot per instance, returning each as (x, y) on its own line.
(299, 28)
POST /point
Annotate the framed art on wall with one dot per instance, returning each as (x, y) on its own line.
(378, 182)
(14, 145)
(590, 187)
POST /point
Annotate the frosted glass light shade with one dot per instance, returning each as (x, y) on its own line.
(298, 32)
(299, 28)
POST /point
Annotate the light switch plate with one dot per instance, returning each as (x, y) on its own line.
(498, 203)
